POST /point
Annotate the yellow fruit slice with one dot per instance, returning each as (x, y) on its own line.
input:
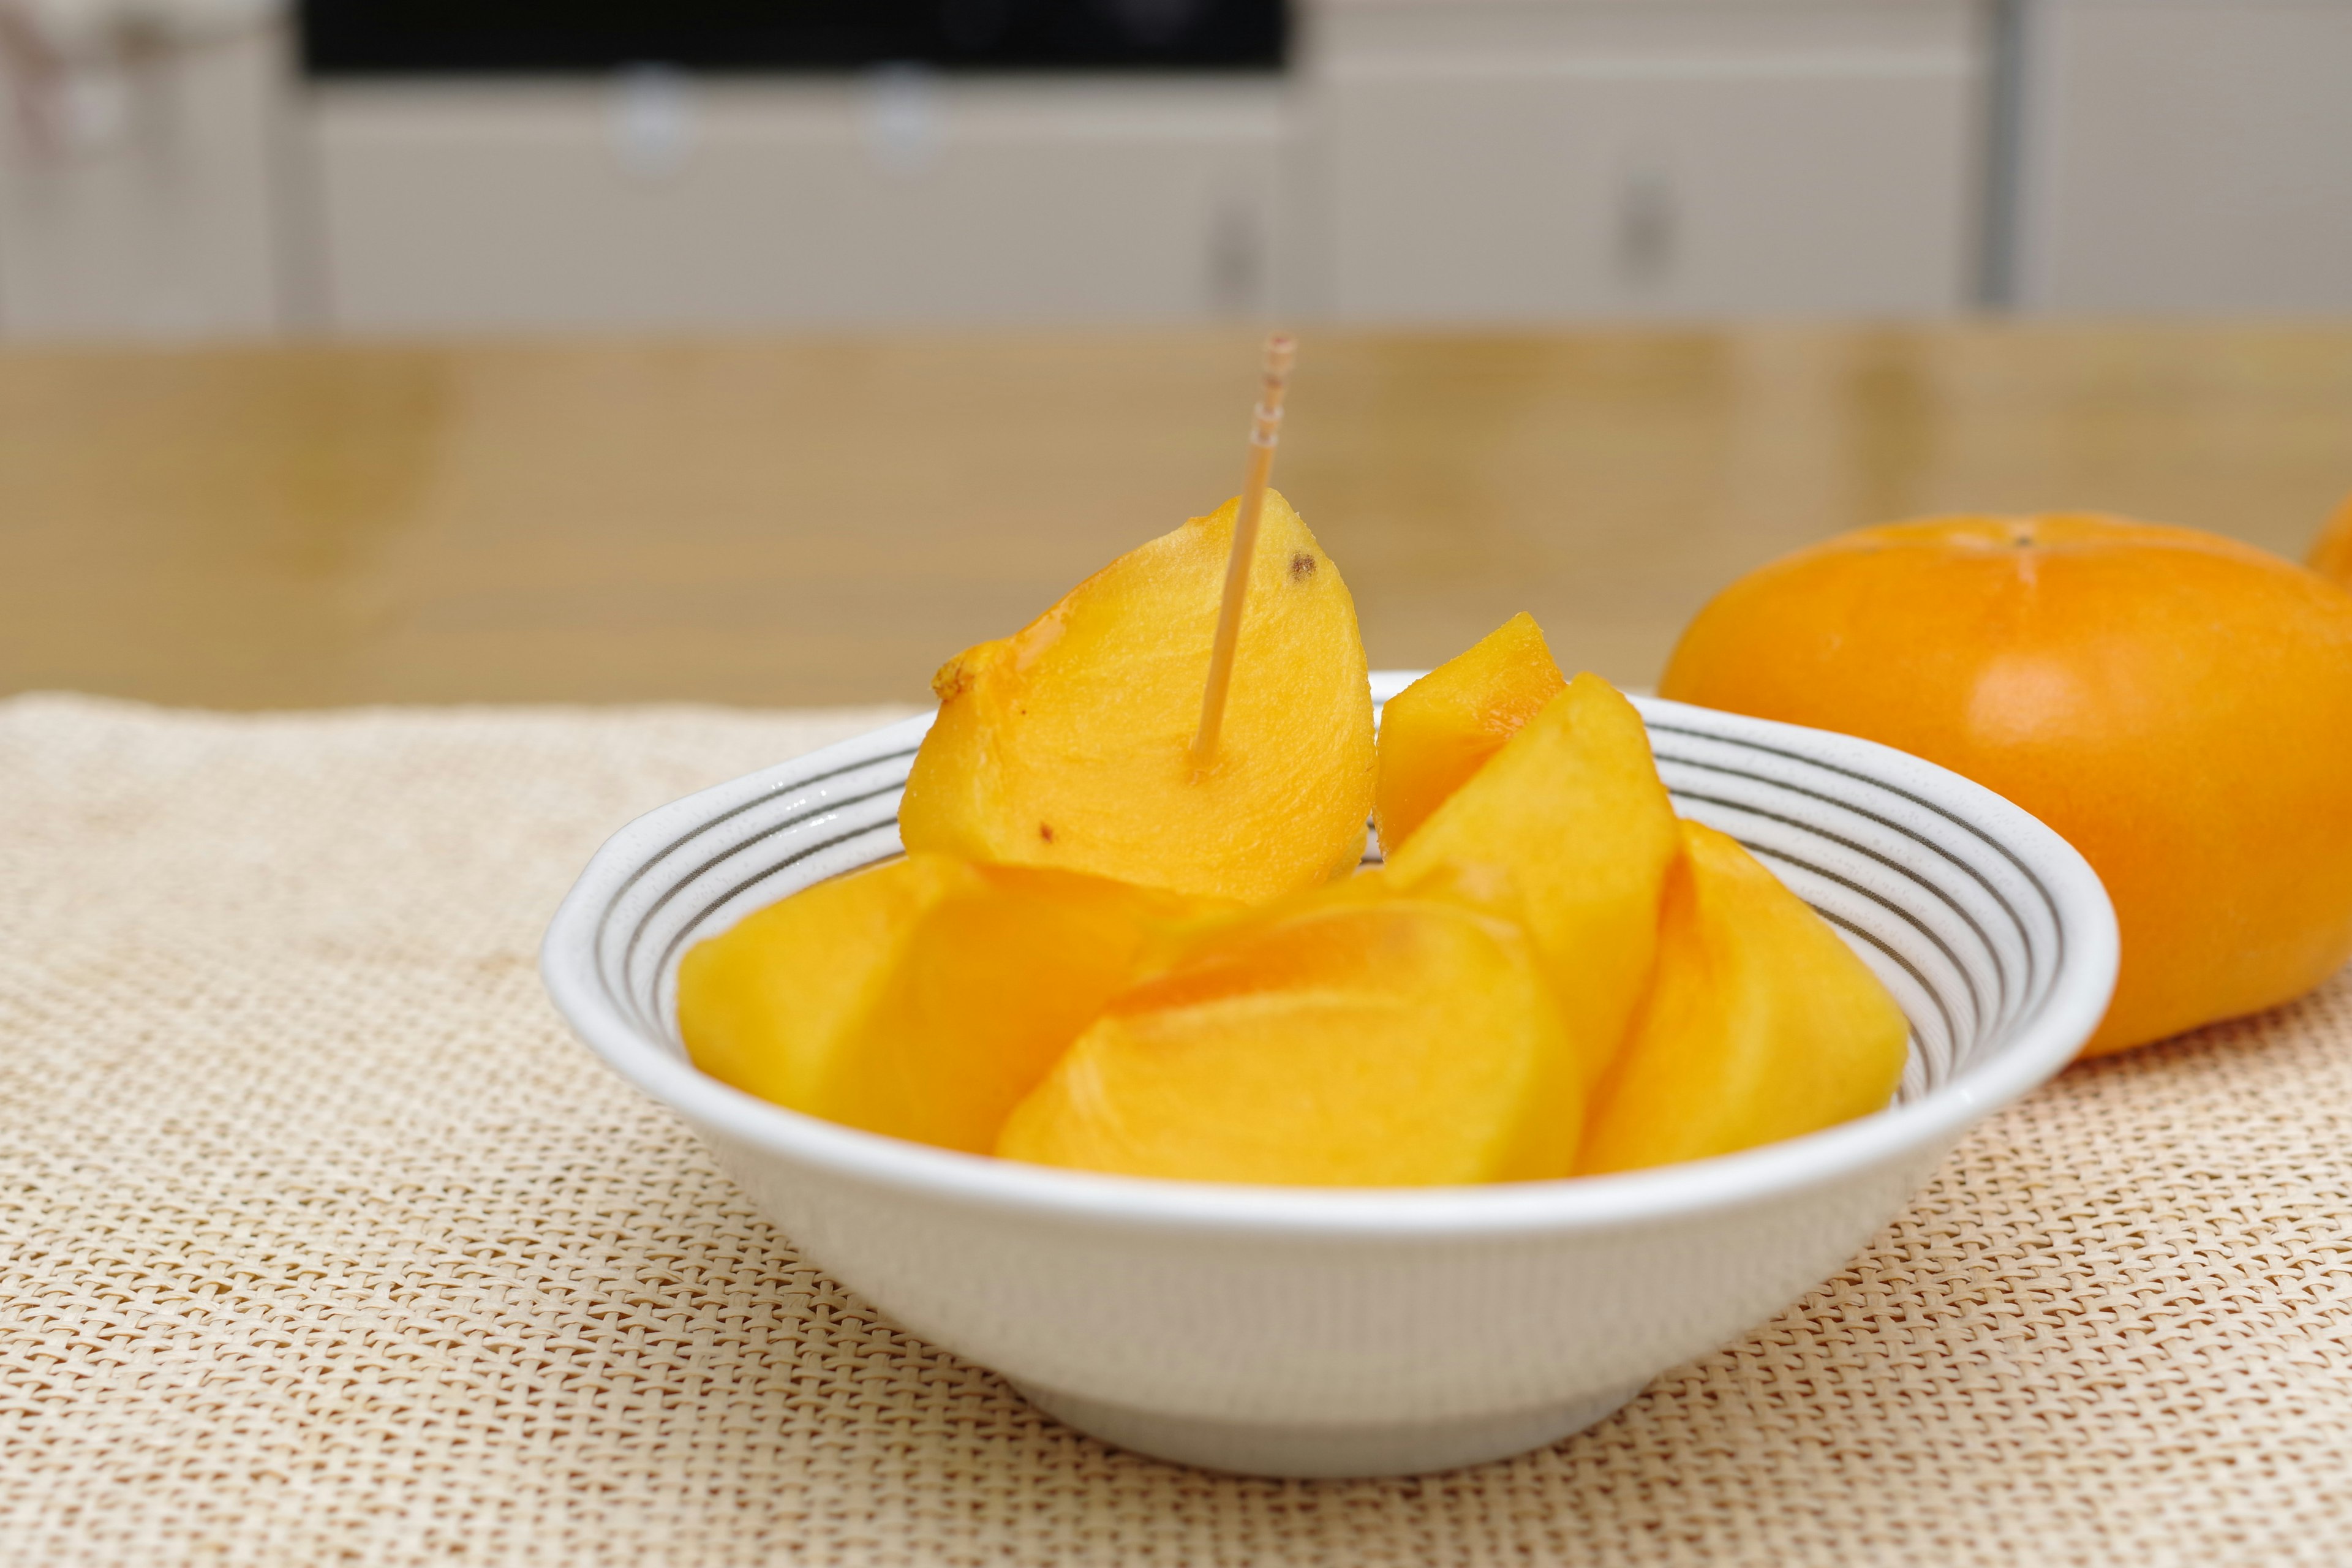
(921, 998)
(1567, 830)
(1067, 745)
(1347, 1040)
(1443, 728)
(1760, 1023)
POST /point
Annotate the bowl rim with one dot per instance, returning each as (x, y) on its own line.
(2077, 999)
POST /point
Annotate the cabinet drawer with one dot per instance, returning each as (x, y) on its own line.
(2190, 156)
(793, 204)
(1680, 179)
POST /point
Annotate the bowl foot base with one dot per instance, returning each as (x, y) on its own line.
(1267, 1448)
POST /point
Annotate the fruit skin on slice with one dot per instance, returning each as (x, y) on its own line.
(2331, 552)
(1568, 831)
(1760, 1024)
(1068, 744)
(1443, 728)
(1351, 1039)
(923, 998)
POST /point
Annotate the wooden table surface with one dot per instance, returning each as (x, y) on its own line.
(826, 519)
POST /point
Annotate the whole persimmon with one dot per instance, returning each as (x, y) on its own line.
(2178, 705)
(2331, 553)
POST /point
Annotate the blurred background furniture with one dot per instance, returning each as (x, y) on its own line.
(209, 166)
(147, 161)
(2184, 156)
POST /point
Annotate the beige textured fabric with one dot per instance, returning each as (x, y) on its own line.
(321, 1241)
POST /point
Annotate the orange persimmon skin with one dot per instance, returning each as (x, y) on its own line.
(2331, 553)
(2176, 704)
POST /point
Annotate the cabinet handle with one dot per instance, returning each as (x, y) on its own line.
(652, 122)
(1236, 271)
(1647, 225)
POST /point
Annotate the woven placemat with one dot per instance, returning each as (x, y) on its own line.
(321, 1241)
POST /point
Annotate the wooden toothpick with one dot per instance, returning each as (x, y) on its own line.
(1266, 429)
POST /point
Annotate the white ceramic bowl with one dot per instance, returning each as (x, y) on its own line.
(1306, 1331)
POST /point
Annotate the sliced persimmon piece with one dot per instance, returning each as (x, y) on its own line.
(1568, 830)
(1443, 728)
(1760, 1023)
(924, 997)
(1354, 1039)
(1069, 744)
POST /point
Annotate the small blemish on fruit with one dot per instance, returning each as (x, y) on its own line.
(1045, 831)
(953, 680)
(1302, 567)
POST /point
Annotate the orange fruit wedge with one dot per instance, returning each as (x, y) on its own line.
(922, 997)
(1354, 1038)
(1068, 744)
(1442, 729)
(1760, 1024)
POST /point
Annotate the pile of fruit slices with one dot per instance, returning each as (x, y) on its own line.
(1096, 955)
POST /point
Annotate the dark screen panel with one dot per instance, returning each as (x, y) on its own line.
(343, 37)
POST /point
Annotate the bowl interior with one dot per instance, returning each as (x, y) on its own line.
(1960, 903)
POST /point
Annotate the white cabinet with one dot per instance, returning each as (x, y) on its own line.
(656, 202)
(144, 195)
(2187, 155)
(1504, 161)
(1490, 161)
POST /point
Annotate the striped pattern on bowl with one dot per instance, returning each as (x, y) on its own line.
(1964, 933)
